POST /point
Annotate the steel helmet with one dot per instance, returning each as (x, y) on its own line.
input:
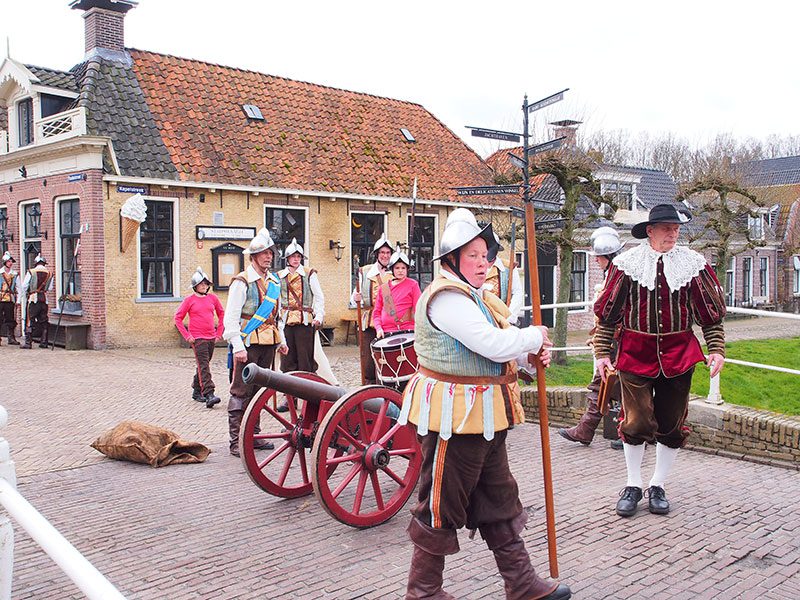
(7, 257)
(198, 277)
(294, 248)
(605, 241)
(260, 243)
(39, 260)
(399, 256)
(461, 228)
(382, 241)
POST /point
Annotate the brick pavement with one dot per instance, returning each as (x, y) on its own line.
(206, 531)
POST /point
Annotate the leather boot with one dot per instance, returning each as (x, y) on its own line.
(45, 337)
(514, 564)
(583, 432)
(234, 424)
(26, 340)
(12, 339)
(427, 563)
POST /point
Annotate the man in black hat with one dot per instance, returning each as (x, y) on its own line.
(656, 292)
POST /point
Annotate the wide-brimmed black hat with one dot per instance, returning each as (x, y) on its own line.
(661, 213)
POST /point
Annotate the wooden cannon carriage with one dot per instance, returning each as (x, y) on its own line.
(344, 445)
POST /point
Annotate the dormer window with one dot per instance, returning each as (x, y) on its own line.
(25, 122)
(622, 194)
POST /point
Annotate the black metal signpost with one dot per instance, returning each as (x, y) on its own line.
(531, 278)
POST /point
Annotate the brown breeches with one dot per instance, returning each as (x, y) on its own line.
(655, 408)
(8, 320)
(367, 362)
(241, 393)
(203, 353)
(466, 481)
(300, 339)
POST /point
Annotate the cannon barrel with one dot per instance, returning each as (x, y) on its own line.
(298, 387)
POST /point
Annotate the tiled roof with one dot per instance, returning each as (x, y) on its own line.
(116, 107)
(312, 137)
(52, 78)
(771, 171)
(654, 187)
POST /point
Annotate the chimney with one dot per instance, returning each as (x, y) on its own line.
(104, 28)
(567, 129)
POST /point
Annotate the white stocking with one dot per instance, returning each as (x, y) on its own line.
(665, 458)
(633, 461)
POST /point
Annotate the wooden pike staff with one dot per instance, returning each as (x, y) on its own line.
(541, 389)
(358, 323)
(512, 263)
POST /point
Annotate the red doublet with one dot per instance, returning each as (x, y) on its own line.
(657, 334)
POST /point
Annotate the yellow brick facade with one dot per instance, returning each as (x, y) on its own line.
(134, 321)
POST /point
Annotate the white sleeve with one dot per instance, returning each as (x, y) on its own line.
(459, 317)
(23, 289)
(517, 297)
(280, 322)
(318, 305)
(237, 295)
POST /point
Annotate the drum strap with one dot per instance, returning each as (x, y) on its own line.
(504, 379)
(388, 303)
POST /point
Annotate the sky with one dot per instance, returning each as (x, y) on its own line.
(693, 68)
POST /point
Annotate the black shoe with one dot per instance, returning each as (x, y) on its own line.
(616, 444)
(283, 406)
(658, 503)
(235, 451)
(197, 395)
(562, 592)
(628, 501)
(211, 399)
(263, 445)
(43, 345)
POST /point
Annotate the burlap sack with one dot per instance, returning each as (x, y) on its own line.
(148, 444)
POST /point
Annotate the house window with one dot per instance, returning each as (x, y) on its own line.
(578, 279)
(755, 226)
(422, 248)
(283, 225)
(69, 220)
(796, 286)
(365, 229)
(25, 122)
(3, 229)
(763, 288)
(747, 279)
(31, 236)
(157, 254)
(730, 281)
(52, 105)
(621, 193)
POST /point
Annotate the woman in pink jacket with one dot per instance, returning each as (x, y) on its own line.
(397, 299)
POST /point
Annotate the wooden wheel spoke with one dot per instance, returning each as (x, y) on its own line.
(362, 417)
(362, 483)
(278, 417)
(378, 423)
(403, 452)
(390, 434)
(376, 487)
(394, 476)
(277, 452)
(283, 435)
(346, 481)
(301, 455)
(341, 459)
(342, 431)
(286, 466)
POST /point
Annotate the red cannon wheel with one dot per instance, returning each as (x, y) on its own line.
(381, 458)
(282, 471)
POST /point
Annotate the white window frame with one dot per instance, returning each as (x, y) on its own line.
(24, 266)
(435, 235)
(732, 270)
(57, 266)
(176, 252)
(585, 282)
(745, 300)
(7, 231)
(762, 218)
(354, 211)
(307, 243)
(765, 280)
(796, 261)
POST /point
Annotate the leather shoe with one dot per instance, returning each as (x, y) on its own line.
(562, 592)
(628, 501)
(567, 436)
(658, 503)
(211, 399)
(263, 445)
(616, 444)
(235, 451)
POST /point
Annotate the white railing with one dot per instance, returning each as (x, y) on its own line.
(62, 125)
(88, 579)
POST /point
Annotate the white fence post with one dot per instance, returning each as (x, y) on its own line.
(7, 473)
(714, 395)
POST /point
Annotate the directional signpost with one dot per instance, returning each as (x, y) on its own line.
(487, 190)
(531, 279)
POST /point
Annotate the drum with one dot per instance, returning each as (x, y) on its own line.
(394, 356)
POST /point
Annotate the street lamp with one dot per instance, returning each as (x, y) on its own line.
(337, 248)
(4, 237)
(36, 220)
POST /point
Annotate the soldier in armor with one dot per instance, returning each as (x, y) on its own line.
(371, 278)
(9, 283)
(462, 400)
(605, 246)
(33, 298)
(303, 308)
(253, 328)
(497, 282)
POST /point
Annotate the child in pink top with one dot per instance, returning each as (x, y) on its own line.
(396, 300)
(201, 307)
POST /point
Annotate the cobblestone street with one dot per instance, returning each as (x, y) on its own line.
(206, 531)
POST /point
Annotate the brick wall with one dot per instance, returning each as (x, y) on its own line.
(104, 29)
(731, 429)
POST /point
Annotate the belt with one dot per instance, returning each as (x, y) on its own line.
(504, 379)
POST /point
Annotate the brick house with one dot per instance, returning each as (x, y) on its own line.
(217, 152)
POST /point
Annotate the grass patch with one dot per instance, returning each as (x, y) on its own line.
(745, 386)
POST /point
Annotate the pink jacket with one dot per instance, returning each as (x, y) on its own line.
(405, 295)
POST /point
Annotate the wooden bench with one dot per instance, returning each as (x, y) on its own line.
(350, 324)
(71, 336)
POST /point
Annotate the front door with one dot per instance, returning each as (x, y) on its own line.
(547, 255)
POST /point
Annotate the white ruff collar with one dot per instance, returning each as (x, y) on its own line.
(681, 264)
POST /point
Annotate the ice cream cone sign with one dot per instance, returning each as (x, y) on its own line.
(133, 214)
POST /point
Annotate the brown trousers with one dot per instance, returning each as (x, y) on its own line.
(466, 481)
(203, 353)
(241, 393)
(300, 339)
(38, 320)
(367, 362)
(8, 319)
(655, 408)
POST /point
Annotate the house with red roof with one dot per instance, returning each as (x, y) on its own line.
(216, 153)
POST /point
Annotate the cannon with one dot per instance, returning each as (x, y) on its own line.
(344, 445)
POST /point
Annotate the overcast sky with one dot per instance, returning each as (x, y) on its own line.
(696, 68)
